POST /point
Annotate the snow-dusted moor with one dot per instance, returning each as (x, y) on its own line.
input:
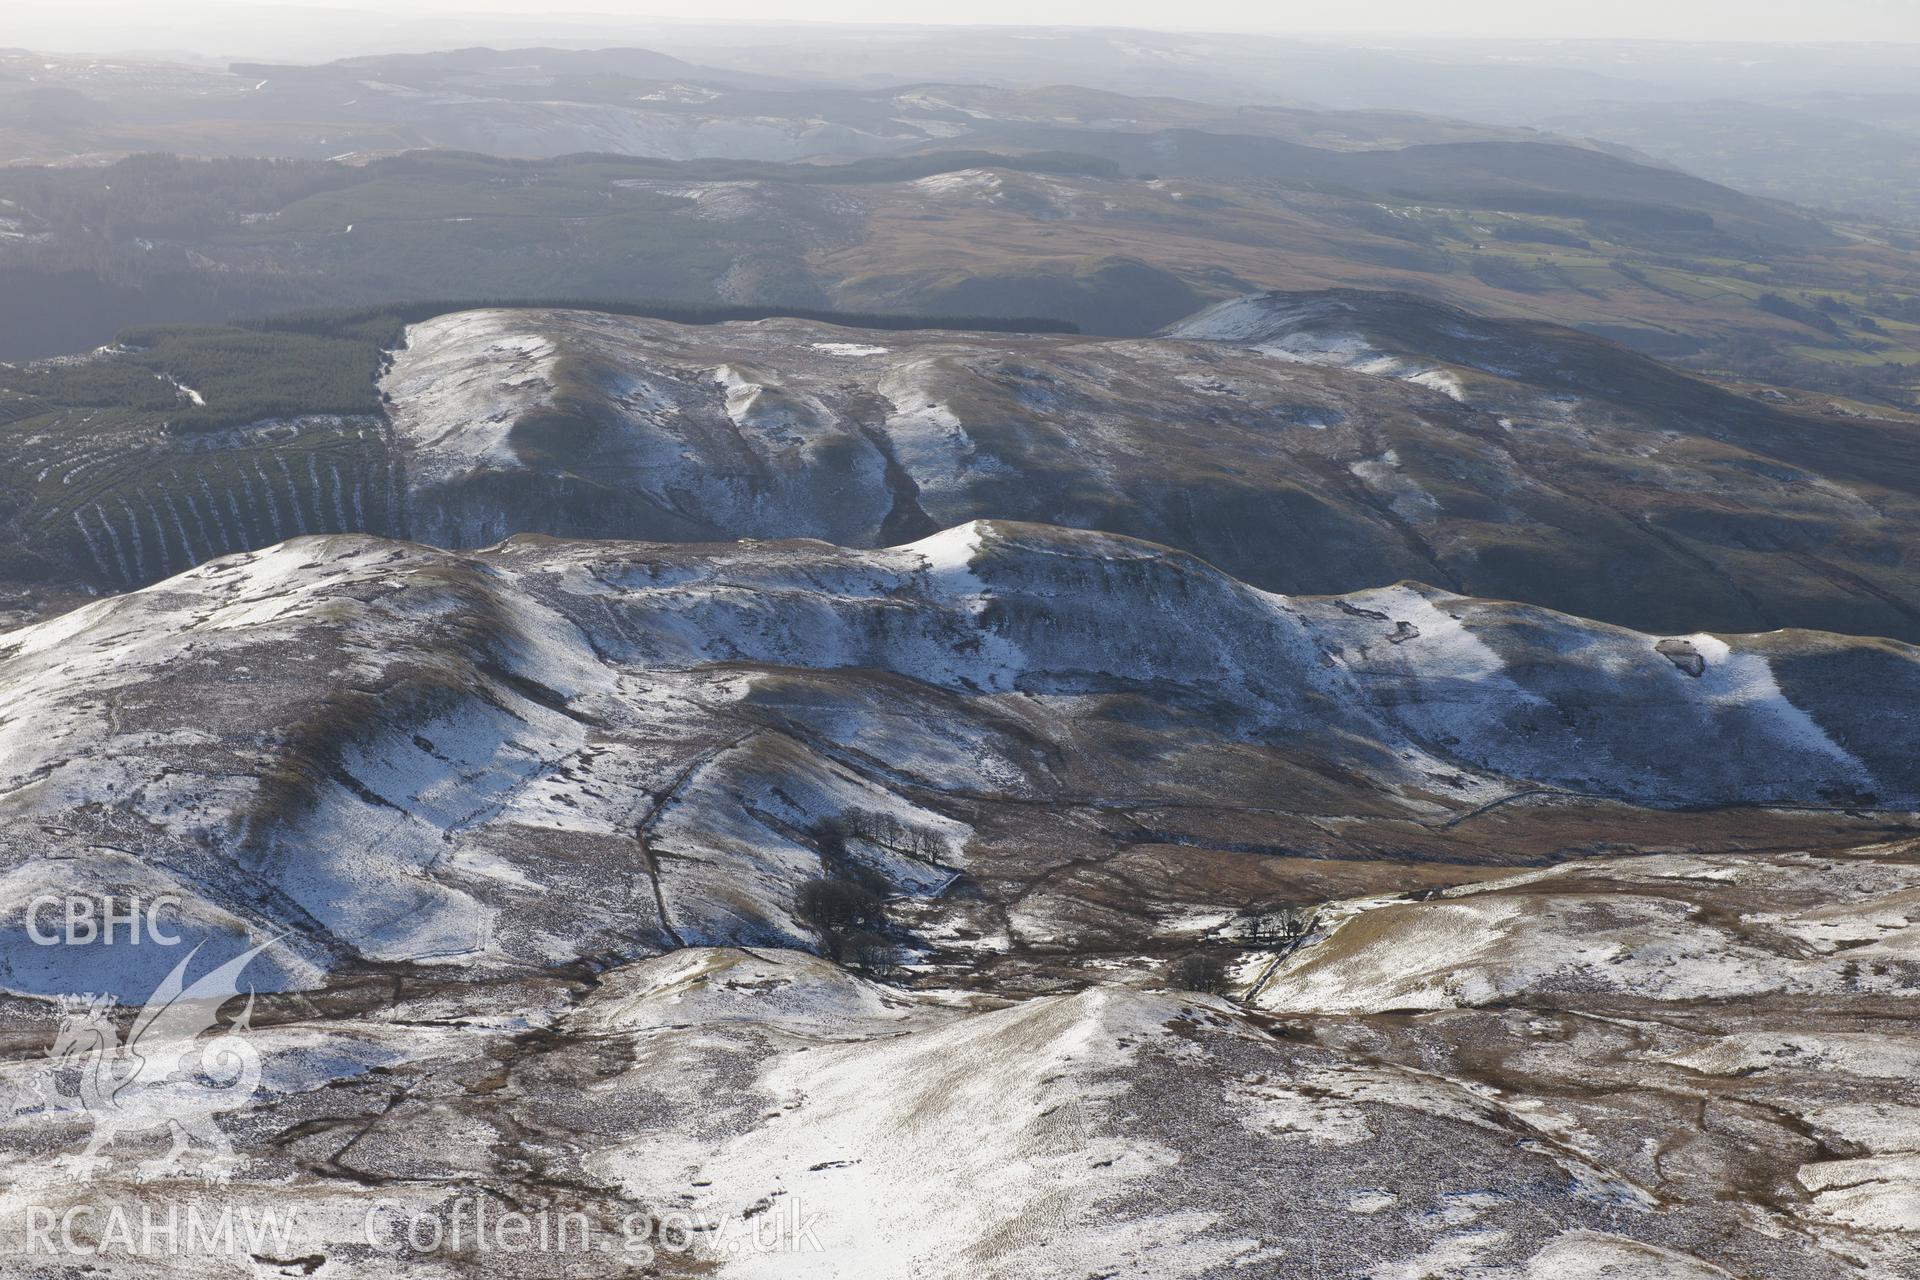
(657, 651)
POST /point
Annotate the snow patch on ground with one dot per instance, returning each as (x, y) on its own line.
(937, 1149)
(851, 349)
(1745, 682)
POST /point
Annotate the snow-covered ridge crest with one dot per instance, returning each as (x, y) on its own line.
(435, 370)
(949, 557)
(1317, 331)
(1258, 317)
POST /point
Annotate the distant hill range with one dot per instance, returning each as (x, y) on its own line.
(1306, 443)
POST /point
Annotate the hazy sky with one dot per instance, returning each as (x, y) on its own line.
(1795, 20)
(328, 27)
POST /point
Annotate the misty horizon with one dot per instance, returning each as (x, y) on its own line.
(303, 31)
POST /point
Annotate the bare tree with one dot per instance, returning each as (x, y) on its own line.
(872, 953)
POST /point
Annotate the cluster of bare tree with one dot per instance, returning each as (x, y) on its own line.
(846, 908)
(1277, 926)
(1202, 971)
(848, 918)
(889, 831)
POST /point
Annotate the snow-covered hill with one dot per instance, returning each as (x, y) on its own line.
(553, 750)
(1310, 443)
(784, 1118)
